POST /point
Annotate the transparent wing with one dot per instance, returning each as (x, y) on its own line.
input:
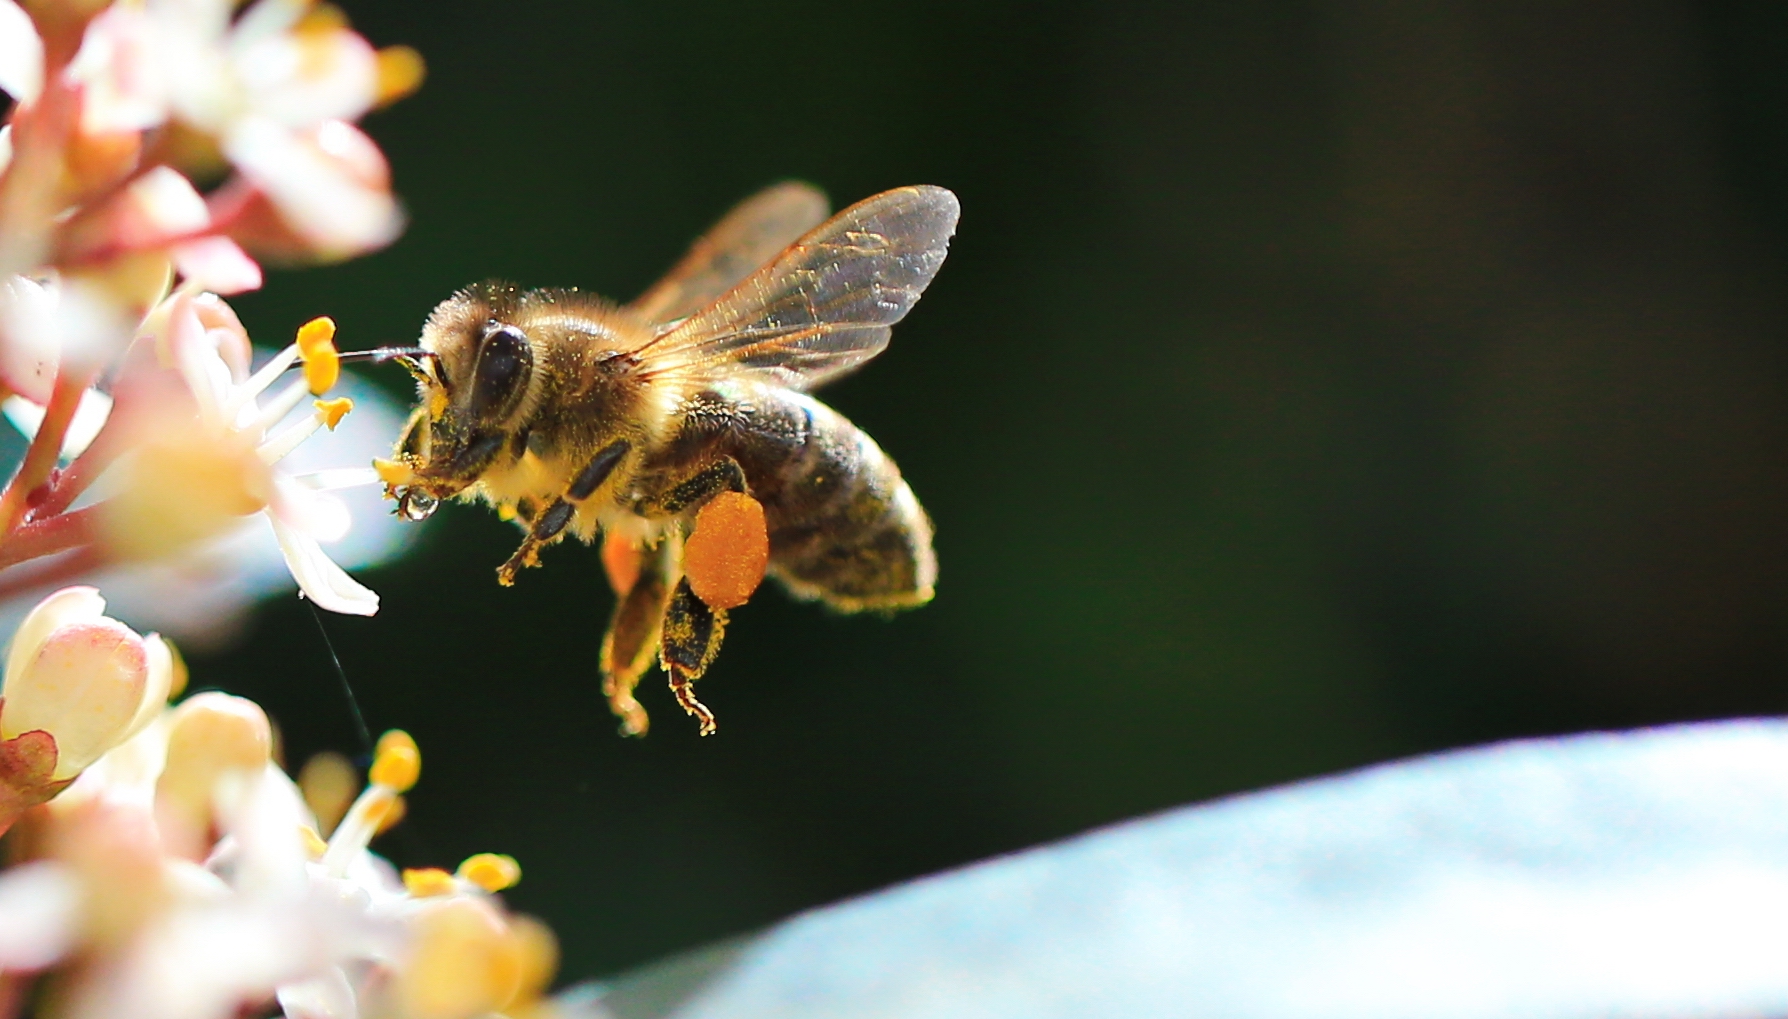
(757, 230)
(827, 305)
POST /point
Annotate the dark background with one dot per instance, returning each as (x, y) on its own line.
(1309, 384)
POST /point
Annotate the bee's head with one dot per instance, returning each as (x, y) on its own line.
(473, 380)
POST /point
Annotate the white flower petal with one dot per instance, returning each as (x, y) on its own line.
(29, 348)
(155, 690)
(314, 194)
(39, 915)
(264, 813)
(302, 508)
(266, 19)
(337, 478)
(168, 202)
(301, 81)
(217, 264)
(21, 54)
(69, 605)
(204, 370)
(329, 996)
(120, 69)
(319, 578)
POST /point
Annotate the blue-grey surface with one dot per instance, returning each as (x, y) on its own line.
(1639, 874)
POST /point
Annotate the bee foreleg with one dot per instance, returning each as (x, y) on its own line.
(633, 629)
(689, 640)
(546, 527)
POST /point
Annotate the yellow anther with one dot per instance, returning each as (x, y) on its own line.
(316, 344)
(314, 846)
(539, 952)
(492, 872)
(329, 784)
(334, 410)
(427, 882)
(177, 685)
(394, 812)
(396, 762)
(394, 472)
(400, 73)
(462, 960)
(505, 511)
(322, 18)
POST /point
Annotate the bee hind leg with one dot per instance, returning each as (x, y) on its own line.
(691, 638)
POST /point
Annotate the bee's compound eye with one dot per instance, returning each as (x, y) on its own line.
(503, 360)
(414, 505)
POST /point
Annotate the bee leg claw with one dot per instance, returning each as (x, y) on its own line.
(684, 687)
(689, 641)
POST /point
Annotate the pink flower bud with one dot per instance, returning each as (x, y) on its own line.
(88, 681)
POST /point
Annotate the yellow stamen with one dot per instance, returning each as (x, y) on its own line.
(462, 961)
(539, 959)
(329, 784)
(322, 18)
(505, 511)
(177, 685)
(401, 71)
(394, 472)
(492, 872)
(334, 410)
(427, 882)
(393, 814)
(316, 344)
(314, 845)
(396, 762)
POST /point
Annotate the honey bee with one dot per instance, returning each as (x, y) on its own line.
(678, 426)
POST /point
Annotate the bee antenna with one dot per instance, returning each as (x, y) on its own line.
(379, 355)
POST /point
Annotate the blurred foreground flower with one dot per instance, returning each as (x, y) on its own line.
(181, 874)
(77, 684)
(114, 105)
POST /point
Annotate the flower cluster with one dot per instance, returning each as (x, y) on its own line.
(115, 347)
(180, 873)
(158, 862)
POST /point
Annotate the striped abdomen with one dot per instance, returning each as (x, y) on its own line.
(844, 526)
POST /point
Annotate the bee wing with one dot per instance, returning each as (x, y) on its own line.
(827, 304)
(757, 230)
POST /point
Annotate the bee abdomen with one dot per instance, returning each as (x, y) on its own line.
(845, 528)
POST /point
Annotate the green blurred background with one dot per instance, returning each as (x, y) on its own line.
(1309, 384)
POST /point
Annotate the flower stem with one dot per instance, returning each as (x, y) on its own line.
(68, 484)
(60, 571)
(49, 536)
(40, 458)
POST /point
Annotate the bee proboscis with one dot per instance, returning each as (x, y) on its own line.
(678, 426)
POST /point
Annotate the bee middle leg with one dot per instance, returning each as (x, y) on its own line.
(642, 580)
